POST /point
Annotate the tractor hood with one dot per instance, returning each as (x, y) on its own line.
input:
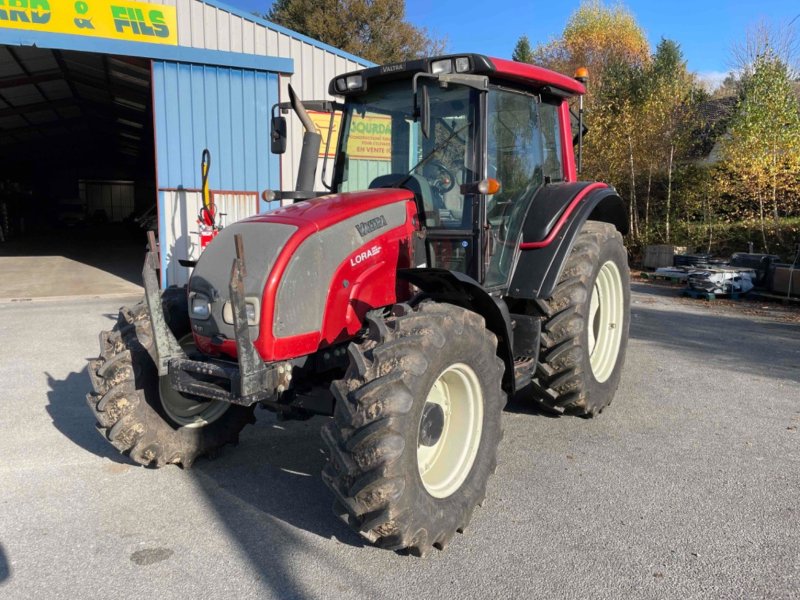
(320, 213)
(292, 256)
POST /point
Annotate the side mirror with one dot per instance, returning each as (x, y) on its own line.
(425, 112)
(278, 135)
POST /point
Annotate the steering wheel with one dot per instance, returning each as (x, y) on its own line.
(443, 179)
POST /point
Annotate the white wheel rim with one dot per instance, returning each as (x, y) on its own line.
(445, 465)
(184, 410)
(605, 321)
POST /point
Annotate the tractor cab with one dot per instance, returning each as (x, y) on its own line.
(474, 138)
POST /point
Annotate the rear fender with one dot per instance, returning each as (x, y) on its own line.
(551, 226)
(457, 288)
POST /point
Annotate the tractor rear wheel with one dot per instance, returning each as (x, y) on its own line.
(416, 427)
(138, 411)
(585, 324)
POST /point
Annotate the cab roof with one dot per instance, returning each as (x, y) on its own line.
(499, 70)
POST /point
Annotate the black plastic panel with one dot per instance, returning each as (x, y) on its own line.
(538, 270)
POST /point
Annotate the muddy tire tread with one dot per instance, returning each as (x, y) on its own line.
(373, 493)
(122, 379)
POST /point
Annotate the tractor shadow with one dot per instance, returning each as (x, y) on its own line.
(524, 402)
(274, 473)
(72, 416)
(272, 476)
(5, 568)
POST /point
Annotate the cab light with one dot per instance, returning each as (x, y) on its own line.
(442, 66)
(355, 82)
(462, 64)
(582, 74)
(200, 307)
(489, 186)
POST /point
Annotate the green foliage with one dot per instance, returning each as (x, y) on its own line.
(761, 153)
(373, 29)
(523, 51)
(652, 127)
(596, 36)
(763, 146)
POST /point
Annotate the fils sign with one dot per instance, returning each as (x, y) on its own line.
(115, 19)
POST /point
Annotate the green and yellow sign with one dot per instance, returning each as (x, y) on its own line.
(115, 19)
(370, 135)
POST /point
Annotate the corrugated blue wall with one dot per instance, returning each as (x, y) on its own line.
(223, 109)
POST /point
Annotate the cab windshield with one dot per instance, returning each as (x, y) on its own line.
(382, 145)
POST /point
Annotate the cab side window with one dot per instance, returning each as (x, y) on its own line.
(551, 142)
(515, 145)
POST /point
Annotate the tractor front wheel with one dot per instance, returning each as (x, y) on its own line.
(138, 411)
(416, 426)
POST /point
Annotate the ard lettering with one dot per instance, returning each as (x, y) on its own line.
(25, 11)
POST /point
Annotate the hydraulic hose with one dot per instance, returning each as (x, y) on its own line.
(209, 211)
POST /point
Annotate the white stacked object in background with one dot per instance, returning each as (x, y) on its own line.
(722, 280)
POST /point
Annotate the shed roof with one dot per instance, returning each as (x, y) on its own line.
(272, 26)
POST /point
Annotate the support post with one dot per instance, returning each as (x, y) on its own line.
(252, 370)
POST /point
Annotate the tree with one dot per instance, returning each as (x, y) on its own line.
(523, 51)
(610, 43)
(373, 29)
(668, 119)
(614, 141)
(729, 87)
(596, 36)
(764, 37)
(762, 149)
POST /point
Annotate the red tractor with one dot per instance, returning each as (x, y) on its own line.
(456, 260)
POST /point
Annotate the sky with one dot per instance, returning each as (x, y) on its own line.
(705, 29)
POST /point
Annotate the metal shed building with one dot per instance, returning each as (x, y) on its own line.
(115, 100)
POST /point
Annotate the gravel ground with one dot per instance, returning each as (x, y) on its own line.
(687, 487)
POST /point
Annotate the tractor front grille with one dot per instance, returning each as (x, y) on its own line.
(263, 243)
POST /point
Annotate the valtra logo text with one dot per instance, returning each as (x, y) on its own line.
(367, 227)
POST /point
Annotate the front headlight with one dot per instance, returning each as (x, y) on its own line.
(199, 306)
(252, 308)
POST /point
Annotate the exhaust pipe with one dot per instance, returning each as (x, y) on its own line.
(312, 139)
